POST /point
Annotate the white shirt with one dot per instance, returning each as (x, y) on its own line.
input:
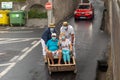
(65, 44)
(67, 32)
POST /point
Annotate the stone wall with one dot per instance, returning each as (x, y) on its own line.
(116, 39)
(33, 2)
(107, 16)
(63, 8)
(112, 20)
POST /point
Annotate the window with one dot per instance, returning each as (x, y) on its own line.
(84, 6)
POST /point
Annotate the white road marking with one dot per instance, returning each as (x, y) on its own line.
(33, 42)
(2, 54)
(18, 38)
(14, 40)
(30, 49)
(1, 39)
(14, 58)
(25, 49)
(16, 31)
(7, 70)
(6, 64)
(3, 31)
(19, 59)
(6, 42)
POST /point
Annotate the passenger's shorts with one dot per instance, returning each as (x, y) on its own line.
(55, 53)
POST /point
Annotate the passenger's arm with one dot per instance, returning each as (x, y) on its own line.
(45, 36)
(70, 47)
(46, 48)
(72, 36)
(59, 46)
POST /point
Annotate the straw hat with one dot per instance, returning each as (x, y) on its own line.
(51, 25)
(65, 23)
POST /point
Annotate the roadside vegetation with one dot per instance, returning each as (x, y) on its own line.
(34, 13)
(37, 11)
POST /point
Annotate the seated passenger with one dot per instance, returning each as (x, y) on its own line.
(66, 48)
(52, 49)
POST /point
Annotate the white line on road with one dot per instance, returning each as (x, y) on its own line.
(19, 59)
(12, 39)
(26, 53)
(19, 38)
(5, 42)
(25, 49)
(3, 31)
(2, 54)
(16, 31)
(1, 39)
(33, 42)
(7, 69)
(14, 58)
(5, 64)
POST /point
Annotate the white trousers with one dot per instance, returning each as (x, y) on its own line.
(43, 47)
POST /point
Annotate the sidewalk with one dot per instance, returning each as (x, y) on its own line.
(31, 24)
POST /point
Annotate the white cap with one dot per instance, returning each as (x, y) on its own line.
(53, 34)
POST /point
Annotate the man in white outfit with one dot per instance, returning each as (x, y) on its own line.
(69, 33)
(47, 36)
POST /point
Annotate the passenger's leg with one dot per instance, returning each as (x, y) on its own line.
(50, 56)
(64, 56)
(68, 56)
(59, 56)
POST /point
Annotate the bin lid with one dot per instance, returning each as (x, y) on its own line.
(18, 12)
(4, 11)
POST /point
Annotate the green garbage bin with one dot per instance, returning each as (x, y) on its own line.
(17, 18)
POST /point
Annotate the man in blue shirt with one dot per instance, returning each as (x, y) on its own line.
(52, 49)
(47, 36)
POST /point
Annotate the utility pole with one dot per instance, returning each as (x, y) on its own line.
(50, 13)
(81, 1)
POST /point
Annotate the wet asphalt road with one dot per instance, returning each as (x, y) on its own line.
(29, 65)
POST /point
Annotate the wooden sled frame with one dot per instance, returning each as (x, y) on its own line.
(62, 67)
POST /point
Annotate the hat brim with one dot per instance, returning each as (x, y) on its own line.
(51, 26)
(65, 25)
(53, 35)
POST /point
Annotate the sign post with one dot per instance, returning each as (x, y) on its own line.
(49, 8)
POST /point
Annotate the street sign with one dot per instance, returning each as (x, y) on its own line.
(48, 6)
(6, 5)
